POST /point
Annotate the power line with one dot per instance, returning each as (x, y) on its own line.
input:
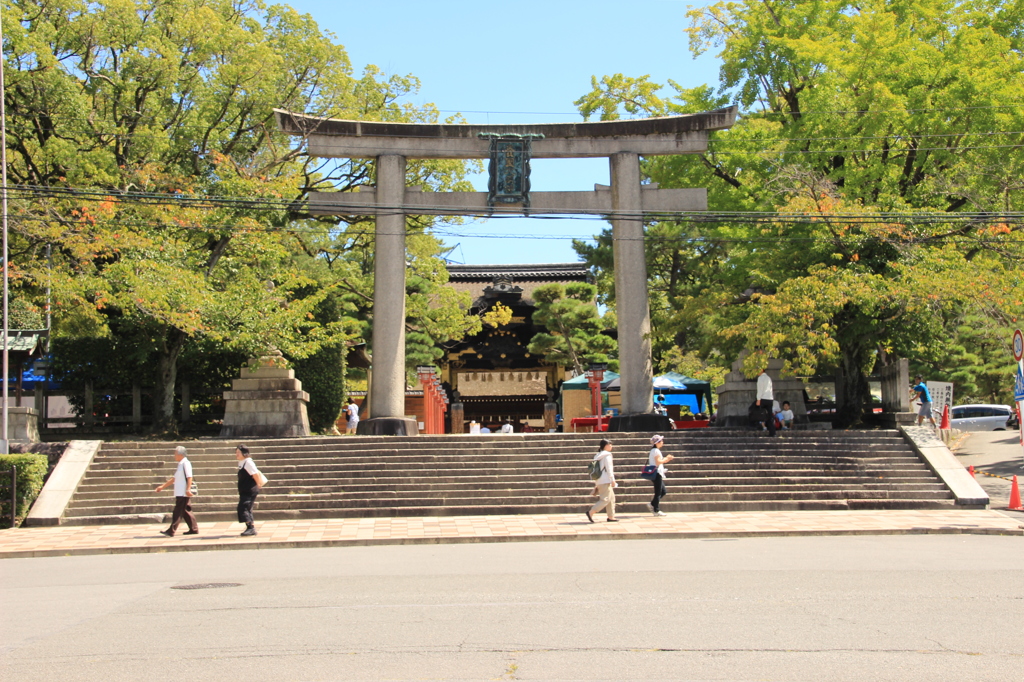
(358, 209)
(215, 201)
(777, 220)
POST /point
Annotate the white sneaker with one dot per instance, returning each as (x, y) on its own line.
(650, 507)
(660, 513)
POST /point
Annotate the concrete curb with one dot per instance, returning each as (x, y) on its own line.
(933, 451)
(61, 485)
(315, 544)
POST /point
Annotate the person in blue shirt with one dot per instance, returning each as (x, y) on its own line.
(921, 393)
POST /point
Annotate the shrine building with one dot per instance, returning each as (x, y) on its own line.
(493, 375)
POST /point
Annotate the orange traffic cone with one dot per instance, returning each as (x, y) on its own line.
(970, 470)
(944, 424)
(1015, 497)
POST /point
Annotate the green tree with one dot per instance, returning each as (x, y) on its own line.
(142, 140)
(574, 335)
(848, 110)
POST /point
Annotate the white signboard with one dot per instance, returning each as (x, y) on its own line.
(942, 396)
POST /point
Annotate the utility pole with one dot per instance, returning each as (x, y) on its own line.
(4, 445)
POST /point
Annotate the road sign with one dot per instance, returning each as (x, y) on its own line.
(1018, 386)
(1018, 345)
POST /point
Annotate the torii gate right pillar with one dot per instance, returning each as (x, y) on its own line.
(632, 308)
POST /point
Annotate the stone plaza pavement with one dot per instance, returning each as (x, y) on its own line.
(135, 538)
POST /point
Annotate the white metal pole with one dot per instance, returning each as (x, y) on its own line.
(4, 445)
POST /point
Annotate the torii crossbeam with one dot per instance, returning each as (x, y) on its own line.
(626, 201)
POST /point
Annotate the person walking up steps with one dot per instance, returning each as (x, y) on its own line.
(182, 480)
(352, 423)
(657, 459)
(604, 486)
(248, 488)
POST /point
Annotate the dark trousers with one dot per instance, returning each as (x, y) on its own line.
(183, 509)
(770, 421)
(659, 491)
(245, 502)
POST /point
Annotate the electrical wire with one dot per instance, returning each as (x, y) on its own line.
(352, 232)
(341, 208)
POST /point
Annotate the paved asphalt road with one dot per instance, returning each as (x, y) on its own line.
(810, 608)
(994, 452)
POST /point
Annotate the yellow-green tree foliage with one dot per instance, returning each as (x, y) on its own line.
(889, 134)
(143, 150)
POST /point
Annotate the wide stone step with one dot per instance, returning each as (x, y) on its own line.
(525, 489)
(496, 498)
(635, 508)
(87, 492)
(623, 468)
(695, 445)
(288, 472)
(470, 477)
(580, 439)
(672, 442)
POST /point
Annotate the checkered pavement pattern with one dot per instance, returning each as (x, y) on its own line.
(341, 532)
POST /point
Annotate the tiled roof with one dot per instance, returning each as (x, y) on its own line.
(560, 271)
(24, 340)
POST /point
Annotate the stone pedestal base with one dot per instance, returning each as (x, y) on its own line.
(737, 394)
(23, 424)
(644, 423)
(266, 402)
(388, 426)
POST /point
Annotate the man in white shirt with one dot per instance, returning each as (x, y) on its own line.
(765, 399)
(182, 481)
(507, 427)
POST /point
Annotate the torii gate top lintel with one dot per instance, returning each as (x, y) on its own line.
(366, 139)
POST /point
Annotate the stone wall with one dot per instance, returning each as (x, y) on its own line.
(738, 393)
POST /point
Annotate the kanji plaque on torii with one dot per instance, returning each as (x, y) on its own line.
(626, 201)
(509, 170)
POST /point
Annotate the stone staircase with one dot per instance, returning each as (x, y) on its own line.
(714, 470)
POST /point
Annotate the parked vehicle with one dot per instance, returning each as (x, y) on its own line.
(982, 418)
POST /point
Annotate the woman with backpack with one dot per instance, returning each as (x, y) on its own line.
(656, 459)
(604, 485)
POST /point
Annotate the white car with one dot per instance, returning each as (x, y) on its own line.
(982, 418)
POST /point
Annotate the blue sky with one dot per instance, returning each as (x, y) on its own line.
(522, 62)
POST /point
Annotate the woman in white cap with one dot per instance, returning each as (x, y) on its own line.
(658, 460)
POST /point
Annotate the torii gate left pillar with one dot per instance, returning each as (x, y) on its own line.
(627, 201)
(389, 304)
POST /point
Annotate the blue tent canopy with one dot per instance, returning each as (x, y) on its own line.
(678, 389)
(673, 388)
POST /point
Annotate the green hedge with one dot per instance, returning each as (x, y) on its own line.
(323, 377)
(31, 472)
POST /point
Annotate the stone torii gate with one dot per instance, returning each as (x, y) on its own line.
(509, 148)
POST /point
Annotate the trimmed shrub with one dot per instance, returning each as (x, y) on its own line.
(323, 377)
(31, 472)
